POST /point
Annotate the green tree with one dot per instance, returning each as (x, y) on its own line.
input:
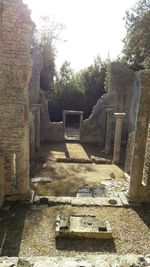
(136, 49)
(92, 80)
(45, 39)
(77, 91)
(65, 74)
(67, 93)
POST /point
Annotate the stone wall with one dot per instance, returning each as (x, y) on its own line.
(16, 30)
(133, 111)
(55, 132)
(146, 170)
(129, 152)
(39, 116)
(134, 102)
(139, 190)
(121, 91)
(41, 128)
(93, 129)
(121, 86)
(118, 97)
(34, 86)
(2, 178)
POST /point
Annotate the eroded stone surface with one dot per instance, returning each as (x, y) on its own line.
(82, 226)
(129, 260)
(139, 192)
(79, 201)
(87, 191)
(15, 65)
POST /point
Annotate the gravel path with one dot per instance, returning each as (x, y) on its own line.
(31, 231)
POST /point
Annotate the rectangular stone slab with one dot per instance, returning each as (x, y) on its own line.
(91, 192)
(84, 192)
(42, 180)
(82, 226)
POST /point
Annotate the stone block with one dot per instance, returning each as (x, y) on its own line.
(42, 180)
(82, 226)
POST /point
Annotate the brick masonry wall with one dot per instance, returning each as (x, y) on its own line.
(2, 180)
(16, 30)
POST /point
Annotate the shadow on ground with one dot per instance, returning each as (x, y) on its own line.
(85, 245)
(12, 225)
(144, 213)
(11, 230)
(67, 178)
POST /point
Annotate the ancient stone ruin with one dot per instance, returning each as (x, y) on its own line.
(118, 129)
(15, 71)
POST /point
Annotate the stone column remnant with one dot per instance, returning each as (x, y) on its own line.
(137, 191)
(108, 130)
(46, 120)
(32, 135)
(117, 141)
(37, 126)
(64, 122)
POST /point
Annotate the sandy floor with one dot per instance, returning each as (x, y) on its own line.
(30, 231)
(67, 177)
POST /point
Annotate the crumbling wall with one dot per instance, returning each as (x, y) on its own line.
(34, 85)
(121, 89)
(118, 97)
(39, 116)
(41, 128)
(121, 86)
(94, 128)
(16, 30)
(132, 118)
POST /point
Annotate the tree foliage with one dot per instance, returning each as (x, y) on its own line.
(45, 38)
(137, 41)
(92, 80)
(66, 94)
(77, 91)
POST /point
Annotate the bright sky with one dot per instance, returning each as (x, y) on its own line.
(92, 27)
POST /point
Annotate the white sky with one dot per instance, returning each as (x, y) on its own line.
(92, 27)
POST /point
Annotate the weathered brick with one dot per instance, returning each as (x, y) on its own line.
(15, 64)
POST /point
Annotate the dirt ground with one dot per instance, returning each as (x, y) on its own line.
(30, 231)
(67, 178)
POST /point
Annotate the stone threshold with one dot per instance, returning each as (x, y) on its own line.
(103, 260)
(119, 201)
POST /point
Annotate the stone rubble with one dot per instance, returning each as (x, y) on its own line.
(130, 260)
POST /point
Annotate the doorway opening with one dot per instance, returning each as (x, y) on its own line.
(72, 121)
